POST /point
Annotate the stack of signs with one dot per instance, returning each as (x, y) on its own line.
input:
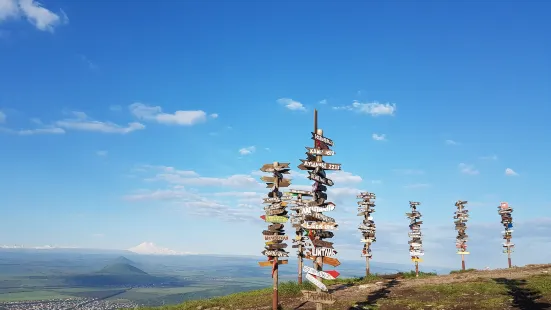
(416, 242)
(301, 242)
(275, 213)
(507, 220)
(461, 217)
(367, 228)
(316, 224)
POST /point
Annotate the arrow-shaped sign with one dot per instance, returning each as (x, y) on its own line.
(326, 274)
(316, 282)
(270, 167)
(313, 151)
(323, 165)
(323, 139)
(315, 177)
(274, 218)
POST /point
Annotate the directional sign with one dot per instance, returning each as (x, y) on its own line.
(280, 211)
(275, 253)
(324, 234)
(315, 177)
(322, 217)
(463, 253)
(282, 183)
(326, 260)
(416, 259)
(276, 206)
(275, 227)
(321, 152)
(323, 139)
(323, 165)
(321, 243)
(316, 282)
(276, 246)
(274, 218)
(318, 297)
(270, 167)
(270, 200)
(326, 274)
(268, 179)
(276, 237)
(270, 263)
(319, 225)
(299, 191)
(326, 208)
(320, 251)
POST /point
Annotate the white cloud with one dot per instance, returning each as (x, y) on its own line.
(214, 115)
(451, 142)
(156, 114)
(409, 171)
(467, 169)
(2, 114)
(149, 248)
(343, 177)
(38, 131)
(101, 153)
(324, 101)
(247, 150)
(82, 122)
(492, 157)
(417, 185)
(291, 104)
(377, 137)
(510, 172)
(371, 108)
(40, 17)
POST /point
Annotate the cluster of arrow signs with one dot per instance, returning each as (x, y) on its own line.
(367, 228)
(276, 214)
(505, 211)
(461, 217)
(416, 242)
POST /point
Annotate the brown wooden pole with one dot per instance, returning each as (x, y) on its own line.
(366, 266)
(416, 269)
(463, 262)
(275, 297)
(319, 158)
(300, 249)
(509, 257)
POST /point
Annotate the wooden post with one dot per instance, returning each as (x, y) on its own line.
(509, 257)
(275, 296)
(300, 251)
(417, 269)
(461, 242)
(366, 266)
(463, 262)
(319, 260)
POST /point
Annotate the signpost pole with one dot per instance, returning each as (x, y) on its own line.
(367, 266)
(319, 260)
(463, 262)
(367, 228)
(275, 297)
(416, 242)
(417, 269)
(300, 250)
(509, 258)
(461, 216)
(505, 211)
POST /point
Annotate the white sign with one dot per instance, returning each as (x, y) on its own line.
(416, 253)
(308, 210)
(299, 191)
(323, 165)
(320, 251)
(317, 273)
(316, 282)
(319, 225)
(275, 253)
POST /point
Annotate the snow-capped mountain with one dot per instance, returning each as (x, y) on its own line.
(149, 248)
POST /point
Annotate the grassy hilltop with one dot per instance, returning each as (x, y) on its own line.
(526, 287)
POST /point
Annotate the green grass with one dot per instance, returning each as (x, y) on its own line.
(462, 271)
(411, 274)
(540, 283)
(479, 294)
(353, 281)
(33, 295)
(256, 298)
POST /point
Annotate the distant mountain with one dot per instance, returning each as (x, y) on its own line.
(124, 260)
(116, 274)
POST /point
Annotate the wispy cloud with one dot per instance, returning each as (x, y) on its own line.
(491, 157)
(371, 108)
(82, 122)
(324, 101)
(291, 104)
(2, 117)
(451, 142)
(156, 114)
(378, 137)
(33, 11)
(247, 150)
(88, 62)
(467, 169)
(510, 172)
(101, 153)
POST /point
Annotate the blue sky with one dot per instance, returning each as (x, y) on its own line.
(148, 122)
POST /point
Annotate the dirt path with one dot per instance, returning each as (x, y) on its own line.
(366, 295)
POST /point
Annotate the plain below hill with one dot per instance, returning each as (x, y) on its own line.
(118, 274)
(526, 287)
(124, 260)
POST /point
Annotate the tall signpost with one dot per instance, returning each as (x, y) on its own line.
(316, 224)
(301, 242)
(507, 220)
(367, 228)
(277, 215)
(461, 217)
(416, 242)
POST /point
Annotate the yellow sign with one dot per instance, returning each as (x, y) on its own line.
(276, 219)
(417, 260)
(463, 252)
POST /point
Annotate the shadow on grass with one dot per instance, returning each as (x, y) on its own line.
(523, 298)
(375, 296)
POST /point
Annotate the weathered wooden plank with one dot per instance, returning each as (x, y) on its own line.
(323, 139)
(276, 246)
(322, 217)
(299, 191)
(274, 218)
(326, 274)
(320, 251)
(270, 263)
(276, 237)
(315, 177)
(318, 297)
(271, 168)
(282, 183)
(280, 211)
(272, 200)
(323, 165)
(326, 260)
(314, 151)
(316, 282)
(321, 243)
(326, 208)
(275, 253)
(319, 225)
